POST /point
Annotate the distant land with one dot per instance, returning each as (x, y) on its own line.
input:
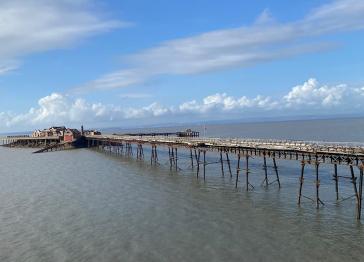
(231, 121)
(201, 123)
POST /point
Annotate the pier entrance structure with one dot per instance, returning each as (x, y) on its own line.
(305, 153)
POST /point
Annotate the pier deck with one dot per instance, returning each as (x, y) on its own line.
(340, 153)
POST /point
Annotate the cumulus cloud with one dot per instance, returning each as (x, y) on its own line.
(309, 97)
(264, 40)
(40, 25)
(223, 102)
(312, 94)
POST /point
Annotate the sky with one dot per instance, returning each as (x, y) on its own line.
(122, 63)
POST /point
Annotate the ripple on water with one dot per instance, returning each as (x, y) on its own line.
(82, 205)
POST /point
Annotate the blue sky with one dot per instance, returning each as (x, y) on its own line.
(134, 62)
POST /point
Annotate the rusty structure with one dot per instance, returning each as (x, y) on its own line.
(305, 153)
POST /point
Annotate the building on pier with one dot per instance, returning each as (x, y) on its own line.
(91, 133)
(54, 131)
(188, 133)
(60, 132)
(71, 135)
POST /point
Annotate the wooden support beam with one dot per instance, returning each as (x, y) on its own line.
(265, 170)
(228, 162)
(247, 171)
(204, 165)
(353, 180)
(222, 163)
(169, 157)
(360, 192)
(237, 172)
(198, 163)
(176, 159)
(336, 178)
(301, 182)
(317, 164)
(276, 171)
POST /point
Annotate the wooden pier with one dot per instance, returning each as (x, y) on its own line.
(303, 152)
(241, 151)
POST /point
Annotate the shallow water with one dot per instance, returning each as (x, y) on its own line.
(84, 205)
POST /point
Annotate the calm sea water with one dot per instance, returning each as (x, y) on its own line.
(83, 205)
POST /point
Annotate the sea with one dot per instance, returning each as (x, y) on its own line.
(89, 205)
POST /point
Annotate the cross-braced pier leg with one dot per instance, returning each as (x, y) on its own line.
(237, 172)
(122, 148)
(318, 200)
(222, 163)
(129, 149)
(228, 162)
(154, 155)
(360, 191)
(204, 165)
(170, 157)
(353, 180)
(265, 171)
(140, 153)
(247, 171)
(195, 152)
(198, 163)
(276, 171)
(336, 178)
(176, 159)
(301, 182)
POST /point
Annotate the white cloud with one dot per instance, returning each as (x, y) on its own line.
(8, 66)
(312, 94)
(264, 40)
(40, 25)
(224, 103)
(310, 97)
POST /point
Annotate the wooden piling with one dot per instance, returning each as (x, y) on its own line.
(360, 192)
(336, 178)
(237, 171)
(228, 162)
(265, 170)
(176, 159)
(204, 165)
(222, 164)
(198, 163)
(317, 164)
(247, 172)
(276, 171)
(301, 182)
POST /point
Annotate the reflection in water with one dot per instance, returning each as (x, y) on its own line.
(82, 205)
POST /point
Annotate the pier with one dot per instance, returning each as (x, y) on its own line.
(227, 151)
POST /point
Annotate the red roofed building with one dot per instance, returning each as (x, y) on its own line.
(71, 134)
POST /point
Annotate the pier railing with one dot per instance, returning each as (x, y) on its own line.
(307, 146)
